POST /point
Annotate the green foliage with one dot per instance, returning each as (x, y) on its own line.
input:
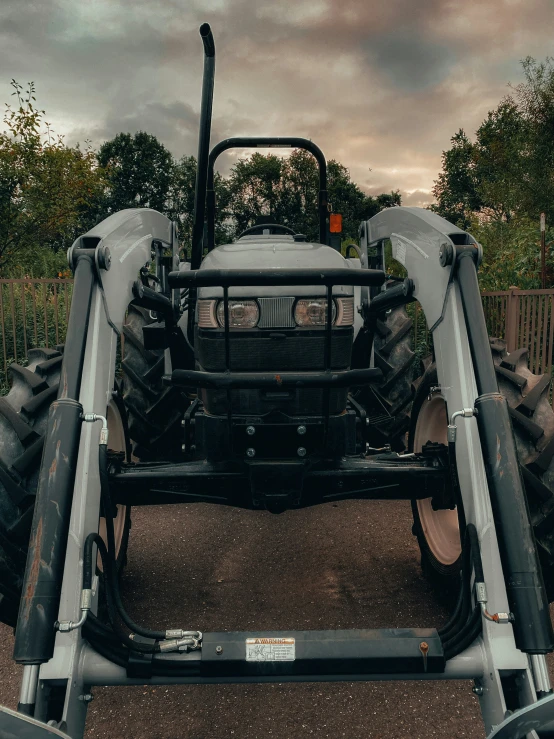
(51, 193)
(497, 185)
(139, 171)
(508, 171)
(287, 189)
(511, 254)
(46, 188)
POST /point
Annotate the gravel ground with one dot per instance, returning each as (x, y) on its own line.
(347, 565)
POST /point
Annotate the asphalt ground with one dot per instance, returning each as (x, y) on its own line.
(352, 564)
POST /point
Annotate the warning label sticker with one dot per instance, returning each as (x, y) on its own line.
(270, 649)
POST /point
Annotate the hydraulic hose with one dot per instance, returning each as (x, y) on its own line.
(104, 641)
(114, 584)
(465, 637)
(456, 638)
(110, 579)
(463, 604)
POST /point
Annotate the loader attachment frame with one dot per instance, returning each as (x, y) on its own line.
(441, 261)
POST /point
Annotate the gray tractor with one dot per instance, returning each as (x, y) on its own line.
(272, 374)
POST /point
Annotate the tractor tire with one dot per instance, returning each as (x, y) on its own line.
(155, 411)
(23, 419)
(394, 356)
(532, 416)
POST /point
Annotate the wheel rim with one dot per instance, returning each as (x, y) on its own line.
(116, 437)
(440, 528)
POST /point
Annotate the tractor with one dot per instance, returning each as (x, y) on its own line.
(274, 373)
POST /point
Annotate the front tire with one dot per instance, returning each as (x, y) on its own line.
(23, 420)
(527, 394)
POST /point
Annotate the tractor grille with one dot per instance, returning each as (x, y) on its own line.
(258, 351)
(276, 313)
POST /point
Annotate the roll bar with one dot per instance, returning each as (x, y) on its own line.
(281, 142)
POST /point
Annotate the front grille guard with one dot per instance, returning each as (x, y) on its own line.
(228, 380)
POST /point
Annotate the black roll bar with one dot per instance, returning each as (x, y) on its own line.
(257, 277)
(281, 142)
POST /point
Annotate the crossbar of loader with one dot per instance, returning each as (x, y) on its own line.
(386, 476)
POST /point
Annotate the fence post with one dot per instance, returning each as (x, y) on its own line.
(512, 319)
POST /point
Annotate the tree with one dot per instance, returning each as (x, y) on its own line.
(509, 171)
(139, 171)
(499, 161)
(287, 189)
(456, 188)
(46, 188)
(180, 206)
(534, 99)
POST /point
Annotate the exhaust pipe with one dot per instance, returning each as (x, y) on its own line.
(203, 145)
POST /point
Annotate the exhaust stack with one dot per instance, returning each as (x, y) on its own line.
(203, 145)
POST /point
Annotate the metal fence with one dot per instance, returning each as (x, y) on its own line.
(35, 312)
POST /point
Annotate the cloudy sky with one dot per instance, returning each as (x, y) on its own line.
(380, 85)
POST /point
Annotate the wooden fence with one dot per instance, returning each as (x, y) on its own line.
(34, 313)
(523, 318)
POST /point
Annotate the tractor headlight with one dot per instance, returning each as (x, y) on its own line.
(313, 312)
(242, 313)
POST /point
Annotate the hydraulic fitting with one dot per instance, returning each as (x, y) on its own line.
(86, 603)
(91, 417)
(452, 428)
(481, 598)
(190, 640)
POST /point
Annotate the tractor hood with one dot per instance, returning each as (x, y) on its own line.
(273, 253)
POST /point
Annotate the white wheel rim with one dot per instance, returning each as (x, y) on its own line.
(440, 528)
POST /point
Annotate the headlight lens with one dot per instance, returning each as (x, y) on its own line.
(312, 312)
(242, 313)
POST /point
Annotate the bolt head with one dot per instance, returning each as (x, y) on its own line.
(478, 690)
(301, 430)
(250, 430)
(301, 451)
(219, 650)
(250, 452)
(446, 254)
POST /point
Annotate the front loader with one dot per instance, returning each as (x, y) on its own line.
(273, 374)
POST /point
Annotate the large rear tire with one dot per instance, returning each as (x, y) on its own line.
(23, 419)
(527, 394)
